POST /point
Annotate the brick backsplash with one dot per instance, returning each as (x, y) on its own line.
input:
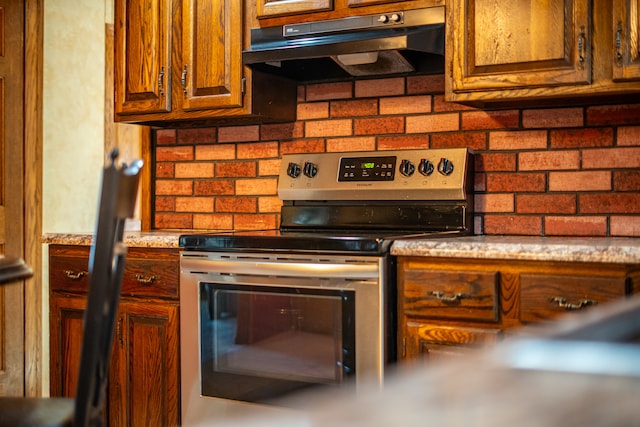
(561, 171)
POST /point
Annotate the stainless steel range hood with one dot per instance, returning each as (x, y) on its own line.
(372, 45)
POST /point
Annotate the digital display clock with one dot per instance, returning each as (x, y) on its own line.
(367, 168)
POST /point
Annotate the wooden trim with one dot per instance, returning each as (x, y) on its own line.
(145, 178)
(34, 17)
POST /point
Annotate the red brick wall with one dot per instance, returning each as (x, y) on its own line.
(571, 171)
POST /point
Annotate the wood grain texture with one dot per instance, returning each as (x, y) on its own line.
(292, 12)
(486, 63)
(33, 292)
(144, 374)
(145, 389)
(197, 60)
(626, 40)
(522, 292)
(12, 195)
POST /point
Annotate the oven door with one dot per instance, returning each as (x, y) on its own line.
(259, 342)
(256, 327)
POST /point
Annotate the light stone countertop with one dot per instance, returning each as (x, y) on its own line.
(140, 239)
(570, 249)
(618, 250)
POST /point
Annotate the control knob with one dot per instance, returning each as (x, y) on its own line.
(293, 170)
(425, 167)
(310, 169)
(445, 167)
(407, 168)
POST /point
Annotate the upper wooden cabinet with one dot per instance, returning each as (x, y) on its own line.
(280, 12)
(143, 56)
(626, 42)
(181, 60)
(530, 49)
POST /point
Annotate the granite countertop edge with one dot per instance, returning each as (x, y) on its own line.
(142, 239)
(618, 250)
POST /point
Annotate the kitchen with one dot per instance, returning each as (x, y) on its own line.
(560, 170)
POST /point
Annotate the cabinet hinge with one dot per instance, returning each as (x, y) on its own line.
(243, 85)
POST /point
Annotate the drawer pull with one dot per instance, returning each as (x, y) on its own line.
(147, 280)
(453, 298)
(75, 275)
(562, 303)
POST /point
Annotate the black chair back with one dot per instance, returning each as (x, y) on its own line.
(106, 267)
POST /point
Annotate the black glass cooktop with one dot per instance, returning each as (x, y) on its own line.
(300, 241)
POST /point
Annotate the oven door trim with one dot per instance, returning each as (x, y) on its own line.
(371, 303)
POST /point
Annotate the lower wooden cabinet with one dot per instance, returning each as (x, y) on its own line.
(144, 375)
(448, 307)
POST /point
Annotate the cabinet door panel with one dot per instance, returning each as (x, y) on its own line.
(433, 342)
(519, 44)
(144, 389)
(142, 56)
(265, 8)
(626, 39)
(65, 344)
(211, 73)
(543, 296)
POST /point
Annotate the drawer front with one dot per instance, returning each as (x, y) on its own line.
(69, 273)
(544, 296)
(451, 295)
(148, 272)
(434, 342)
(153, 277)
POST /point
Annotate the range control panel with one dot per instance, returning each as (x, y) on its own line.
(439, 174)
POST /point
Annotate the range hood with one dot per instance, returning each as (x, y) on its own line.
(400, 42)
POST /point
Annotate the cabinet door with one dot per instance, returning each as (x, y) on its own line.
(142, 56)
(66, 317)
(144, 388)
(626, 39)
(435, 342)
(492, 44)
(211, 69)
(265, 8)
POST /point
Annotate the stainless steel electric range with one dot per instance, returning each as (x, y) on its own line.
(267, 313)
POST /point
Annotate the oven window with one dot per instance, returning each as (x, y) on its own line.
(259, 343)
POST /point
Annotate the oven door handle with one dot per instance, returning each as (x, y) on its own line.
(329, 270)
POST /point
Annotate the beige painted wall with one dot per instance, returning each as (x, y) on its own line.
(73, 124)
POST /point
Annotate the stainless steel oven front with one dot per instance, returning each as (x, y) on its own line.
(257, 326)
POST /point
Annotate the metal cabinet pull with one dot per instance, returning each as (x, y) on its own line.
(119, 332)
(147, 280)
(562, 303)
(453, 298)
(581, 46)
(73, 275)
(619, 44)
(184, 79)
(161, 81)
